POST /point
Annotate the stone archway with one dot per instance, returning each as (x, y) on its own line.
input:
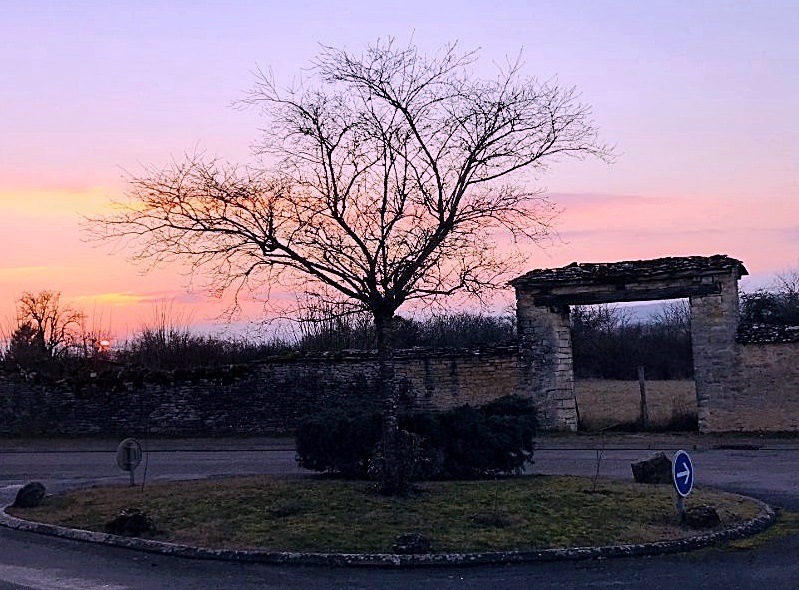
(543, 298)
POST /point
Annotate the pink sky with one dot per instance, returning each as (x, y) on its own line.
(700, 100)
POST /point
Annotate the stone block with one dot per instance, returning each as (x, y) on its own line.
(701, 517)
(131, 522)
(30, 495)
(655, 469)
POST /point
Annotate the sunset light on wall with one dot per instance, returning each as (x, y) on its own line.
(699, 100)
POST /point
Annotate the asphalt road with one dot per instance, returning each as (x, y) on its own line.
(38, 562)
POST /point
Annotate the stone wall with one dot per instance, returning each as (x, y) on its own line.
(266, 397)
(763, 393)
(453, 379)
(759, 391)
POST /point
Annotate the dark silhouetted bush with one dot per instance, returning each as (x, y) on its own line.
(336, 441)
(775, 308)
(462, 443)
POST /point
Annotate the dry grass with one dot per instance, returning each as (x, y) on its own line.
(608, 403)
(318, 514)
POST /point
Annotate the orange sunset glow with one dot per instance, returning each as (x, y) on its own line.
(698, 99)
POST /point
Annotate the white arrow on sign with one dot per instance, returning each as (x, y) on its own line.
(682, 462)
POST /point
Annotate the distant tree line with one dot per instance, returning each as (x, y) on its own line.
(52, 338)
(332, 327)
(776, 306)
(608, 344)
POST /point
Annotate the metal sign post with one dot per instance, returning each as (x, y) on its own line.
(129, 455)
(682, 474)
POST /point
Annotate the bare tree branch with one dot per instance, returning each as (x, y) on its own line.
(396, 173)
(395, 176)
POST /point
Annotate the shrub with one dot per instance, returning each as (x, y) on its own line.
(495, 439)
(462, 443)
(335, 441)
(773, 308)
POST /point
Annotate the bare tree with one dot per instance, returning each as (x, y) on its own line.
(392, 175)
(595, 331)
(329, 325)
(777, 305)
(787, 282)
(46, 327)
(674, 317)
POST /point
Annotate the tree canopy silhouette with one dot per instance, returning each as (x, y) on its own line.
(386, 177)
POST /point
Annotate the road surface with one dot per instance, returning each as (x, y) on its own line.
(29, 561)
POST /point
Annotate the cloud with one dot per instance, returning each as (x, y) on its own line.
(593, 200)
(57, 202)
(114, 299)
(117, 298)
(762, 249)
(19, 271)
(189, 297)
(791, 234)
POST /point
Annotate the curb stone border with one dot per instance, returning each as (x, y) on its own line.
(765, 518)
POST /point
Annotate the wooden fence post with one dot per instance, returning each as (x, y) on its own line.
(644, 410)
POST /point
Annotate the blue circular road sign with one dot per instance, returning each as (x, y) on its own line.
(682, 473)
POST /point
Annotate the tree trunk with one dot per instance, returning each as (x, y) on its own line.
(393, 478)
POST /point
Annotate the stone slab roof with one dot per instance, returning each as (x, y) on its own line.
(638, 270)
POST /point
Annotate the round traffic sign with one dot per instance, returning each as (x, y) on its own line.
(129, 454)
(682, 473)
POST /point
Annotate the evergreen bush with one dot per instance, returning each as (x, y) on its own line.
(337, 441)
(462, 443)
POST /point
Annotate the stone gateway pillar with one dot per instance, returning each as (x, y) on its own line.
(543, 297)
(714, 324)
(545, 361)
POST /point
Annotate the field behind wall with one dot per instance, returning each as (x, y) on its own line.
(616, 405)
